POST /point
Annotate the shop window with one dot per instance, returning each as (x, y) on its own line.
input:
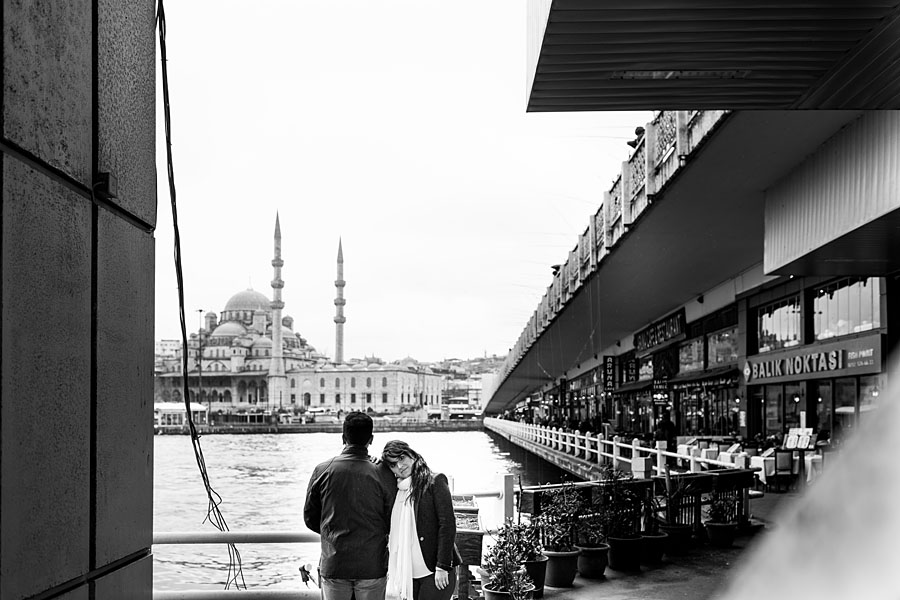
(773, 407)
(722, 347)
(690, 356)
(847, 306)
(844, 408)
(645, 368)
(794, 404)
(869, 392)
(778, 325)
(823, 399)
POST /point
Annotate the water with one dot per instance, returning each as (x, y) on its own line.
(262, 480)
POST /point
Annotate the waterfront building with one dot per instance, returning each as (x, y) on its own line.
(242, 363)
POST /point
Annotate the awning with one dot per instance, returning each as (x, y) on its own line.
(633, 386)
(716, 376)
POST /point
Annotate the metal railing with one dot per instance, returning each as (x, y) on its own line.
(505, 493)
(596, 449)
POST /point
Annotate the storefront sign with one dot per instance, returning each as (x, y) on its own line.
(609, 373)
(860, 355)
(660, 332)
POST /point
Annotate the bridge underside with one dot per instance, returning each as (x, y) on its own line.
(704, 227)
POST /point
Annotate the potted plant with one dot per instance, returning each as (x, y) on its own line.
(503, 576)
(679, 533)
(557, 519)
(622, 515)
(653, 539)
(593, 551)
(522, 542)
(721, 520)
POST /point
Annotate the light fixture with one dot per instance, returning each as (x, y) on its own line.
(820, 399)
(796, 398)
(737, 400)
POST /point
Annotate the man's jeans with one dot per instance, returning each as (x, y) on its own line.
(361, 589)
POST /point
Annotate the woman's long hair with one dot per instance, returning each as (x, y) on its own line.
(421, 475)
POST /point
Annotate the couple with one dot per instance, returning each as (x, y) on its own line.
(354, 503)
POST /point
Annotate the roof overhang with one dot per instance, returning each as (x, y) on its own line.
(704, 227)
(609, 55)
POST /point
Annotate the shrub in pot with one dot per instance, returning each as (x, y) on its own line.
(503, 576)
(622, 514)
(560, 507)
(721, 520)
(522, 541)
(679, 533)
(593, 551)
(653, 540)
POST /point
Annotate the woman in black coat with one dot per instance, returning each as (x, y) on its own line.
(422, 549)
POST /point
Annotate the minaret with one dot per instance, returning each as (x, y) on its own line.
(339, 303)
(277, 381)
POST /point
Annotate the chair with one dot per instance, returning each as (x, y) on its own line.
(783, 469)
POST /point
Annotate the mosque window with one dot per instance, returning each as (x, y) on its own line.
(337, 382)
(384, 398)
(353, 382)
(368, 398)
(321, 398)
(337, 398)
(322, 382)
(293, 383)
(368, 382)
(384, 382)
(352, 398)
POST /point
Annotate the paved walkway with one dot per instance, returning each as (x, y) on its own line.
(697, 575)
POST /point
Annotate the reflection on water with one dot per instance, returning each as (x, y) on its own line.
(262, 481)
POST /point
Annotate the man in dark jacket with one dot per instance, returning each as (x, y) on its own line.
(348, 503)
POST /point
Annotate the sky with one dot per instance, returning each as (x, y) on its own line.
(397, 127)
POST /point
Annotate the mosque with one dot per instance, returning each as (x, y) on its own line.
(248, 360)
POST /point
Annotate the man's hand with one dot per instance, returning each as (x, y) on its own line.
(441, 578)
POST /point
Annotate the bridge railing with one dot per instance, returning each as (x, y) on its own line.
(629, 455)
(505, 493)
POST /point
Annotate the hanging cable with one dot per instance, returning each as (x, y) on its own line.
(235, 573)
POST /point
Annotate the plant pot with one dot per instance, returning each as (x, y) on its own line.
(561, 568)
(721, 535)
(679, 538)
(537, 571)
(490, 594)
(592, 561)
(652, 547)
(624, 553)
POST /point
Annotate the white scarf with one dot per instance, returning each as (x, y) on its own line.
(400, 544)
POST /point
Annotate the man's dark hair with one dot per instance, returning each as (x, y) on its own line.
(357, 428)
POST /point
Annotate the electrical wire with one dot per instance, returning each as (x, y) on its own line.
(235, 573)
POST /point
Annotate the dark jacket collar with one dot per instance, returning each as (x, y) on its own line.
(350, 450)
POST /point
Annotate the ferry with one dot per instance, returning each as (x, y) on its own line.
(455, 410)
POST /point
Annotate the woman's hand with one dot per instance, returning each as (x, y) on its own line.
(441, 578)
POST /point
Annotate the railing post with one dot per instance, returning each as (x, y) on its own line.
(600, 458)
(508, 495)
(616, 451)
(695, 464)
(660, 459)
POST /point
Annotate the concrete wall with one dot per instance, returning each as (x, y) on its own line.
(76, 411)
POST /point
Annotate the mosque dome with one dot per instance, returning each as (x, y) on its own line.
(229, 329)
(262, 342)
(249, 299)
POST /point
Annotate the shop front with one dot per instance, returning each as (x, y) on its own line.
(831, 387)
